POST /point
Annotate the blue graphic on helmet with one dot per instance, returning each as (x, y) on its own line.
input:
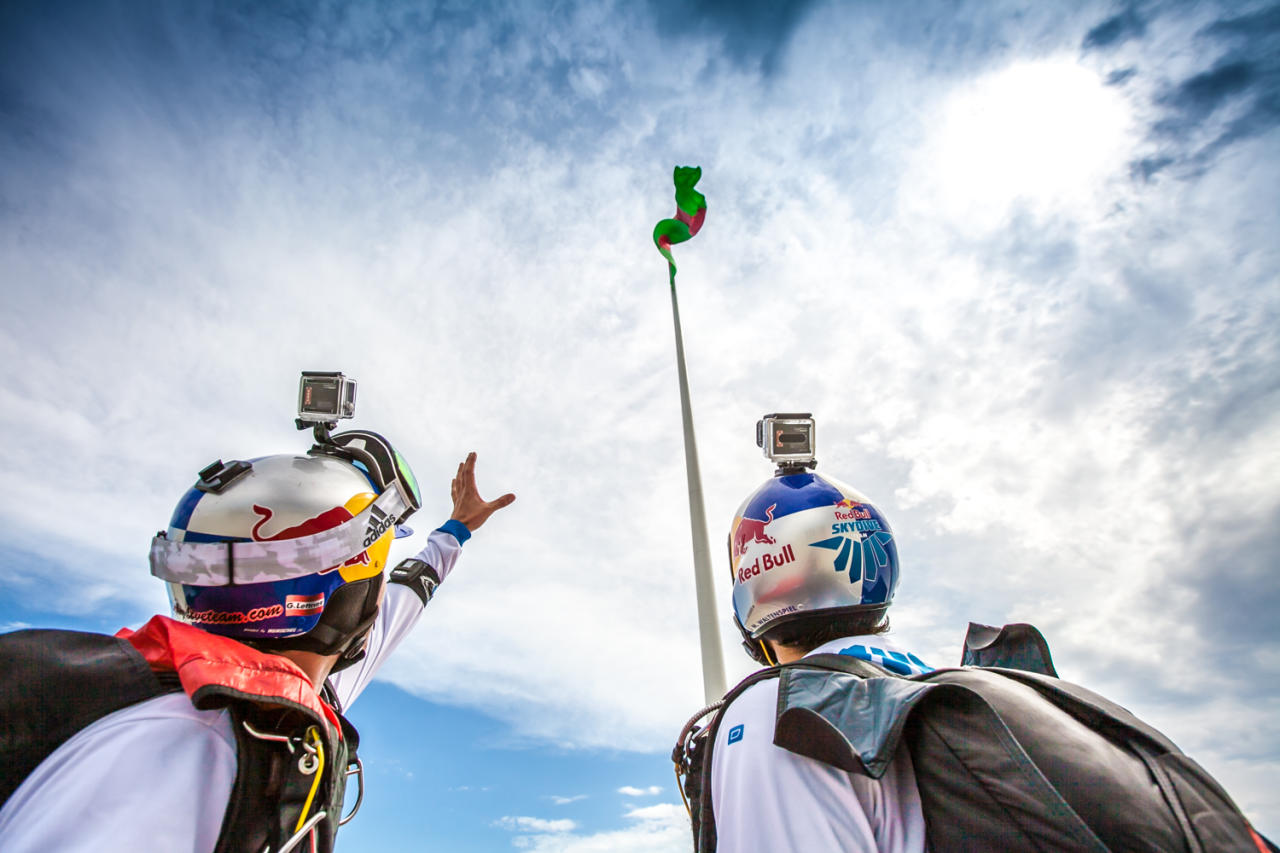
(792, 493)
(859, 546)
(870, 557)
(735, 733)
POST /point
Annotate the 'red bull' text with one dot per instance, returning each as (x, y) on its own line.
(765, 562)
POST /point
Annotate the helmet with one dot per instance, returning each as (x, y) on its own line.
(805, 544)
(288, 552)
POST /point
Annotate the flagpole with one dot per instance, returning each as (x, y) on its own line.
(713, 679)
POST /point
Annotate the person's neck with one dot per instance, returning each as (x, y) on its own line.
(787, 654)
(314, 666)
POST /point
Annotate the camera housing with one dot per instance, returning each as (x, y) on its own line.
(788, 439)
(324, 397)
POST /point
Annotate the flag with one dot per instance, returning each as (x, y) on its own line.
(691, 210)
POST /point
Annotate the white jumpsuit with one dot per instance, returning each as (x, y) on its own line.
(157, 775)
(769, 800)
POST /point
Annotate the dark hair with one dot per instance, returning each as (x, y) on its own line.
(807, 634)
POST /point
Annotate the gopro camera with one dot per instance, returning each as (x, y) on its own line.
(324, 397)
(787, 439)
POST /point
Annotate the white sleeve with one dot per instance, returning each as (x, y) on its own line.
(766, 798)
(153, 776)
(401, 608)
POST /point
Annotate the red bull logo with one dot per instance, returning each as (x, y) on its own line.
(326, 520)
(752, 530)
(851, 510)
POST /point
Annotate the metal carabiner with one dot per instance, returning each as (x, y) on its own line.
(302, 833)
(285, 739)
(359, 774)
(309, 761)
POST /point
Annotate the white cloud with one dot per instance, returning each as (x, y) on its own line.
(535, 824)
(667, 812)
(632, 791)
(564, 801)
(1058, 403)
(662, 828)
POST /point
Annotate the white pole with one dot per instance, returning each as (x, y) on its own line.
(713, 680)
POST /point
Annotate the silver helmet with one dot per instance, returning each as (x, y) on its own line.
(804, 544)
(288, 552)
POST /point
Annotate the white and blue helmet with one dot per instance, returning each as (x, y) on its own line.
(804, 544)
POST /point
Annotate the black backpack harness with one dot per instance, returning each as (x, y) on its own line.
(1004, 759)
(291, 769)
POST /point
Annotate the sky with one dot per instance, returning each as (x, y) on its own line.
(1018, 258)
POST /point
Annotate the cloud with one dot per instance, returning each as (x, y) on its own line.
(535, 824)
(632, 791)
(752, 33)
(661, 828)
(659, 811)
(1060, 388)
(1227, 95)
(563, 801)
(1115, 30)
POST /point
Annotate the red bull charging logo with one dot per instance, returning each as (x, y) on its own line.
(752, 530)
(326, 520)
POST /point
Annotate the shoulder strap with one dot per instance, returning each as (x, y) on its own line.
(277, 801)
(843, 663)
(692, 753)
(692, 757)
(54, 683)
(844, 711)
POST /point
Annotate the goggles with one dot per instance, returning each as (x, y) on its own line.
(240, 563)
(382, 462)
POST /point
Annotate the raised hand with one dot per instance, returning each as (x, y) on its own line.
(468, 507)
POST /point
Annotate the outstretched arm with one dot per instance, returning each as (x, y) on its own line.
(402, 605)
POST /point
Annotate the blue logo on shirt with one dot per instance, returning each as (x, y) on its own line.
(902, 664)
(735, 733)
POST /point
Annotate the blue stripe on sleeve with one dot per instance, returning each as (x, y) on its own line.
(456, 529)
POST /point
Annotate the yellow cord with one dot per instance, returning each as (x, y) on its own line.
(765, 648)
(314, 735)
(680, 788)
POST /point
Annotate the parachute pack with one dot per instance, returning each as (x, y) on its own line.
(55, 683)
(1006, 755)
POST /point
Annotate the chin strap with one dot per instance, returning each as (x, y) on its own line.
(764, 651)
(757, 649)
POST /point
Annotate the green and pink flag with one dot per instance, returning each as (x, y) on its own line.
(691, 210)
